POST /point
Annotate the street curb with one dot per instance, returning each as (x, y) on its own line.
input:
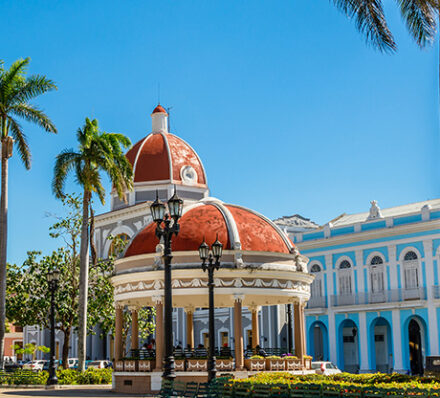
(56, 387)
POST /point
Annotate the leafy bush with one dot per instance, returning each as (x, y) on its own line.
(345, 383)
(65, 376)
(21, 377)
(256, 357)
(273, 357)
(95, 376)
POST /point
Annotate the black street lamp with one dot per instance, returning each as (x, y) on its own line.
(213, 258)
(52, 280)
(167, 226)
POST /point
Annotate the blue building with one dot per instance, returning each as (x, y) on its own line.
(375, 301)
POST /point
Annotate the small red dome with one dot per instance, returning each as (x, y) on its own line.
(159, 109)
(166, 157)
(237, 228)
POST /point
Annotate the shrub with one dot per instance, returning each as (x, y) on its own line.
(65, 376)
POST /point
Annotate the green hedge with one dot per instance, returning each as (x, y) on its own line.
(344, 384)
(65, 376)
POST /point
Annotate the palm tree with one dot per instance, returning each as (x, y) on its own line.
(98, 152)
(16, 90)
(419, 16)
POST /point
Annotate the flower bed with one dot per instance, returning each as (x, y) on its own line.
(65, 376)
(344, 384)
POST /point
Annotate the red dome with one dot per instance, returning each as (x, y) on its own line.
(159, 109)
(237, 228)
(166, 157)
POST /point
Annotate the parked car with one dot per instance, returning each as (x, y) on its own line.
(101, 364)
(35, 364)
(72, 363)
(325, 368)
(47, 364)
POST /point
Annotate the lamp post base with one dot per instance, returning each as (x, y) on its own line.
(212, 370)
(169, 372)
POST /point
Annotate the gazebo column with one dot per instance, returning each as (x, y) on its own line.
(300, 338)
(255, 329)
(158, 300)
(134, 328)
(238, 332)
(189, 327)
(119, 324)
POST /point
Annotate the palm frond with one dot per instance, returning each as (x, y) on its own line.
(65, 161)
(34, 86)
(420, 19)
(370, 20)
(34, 115)
(20, 141)
(15, 72)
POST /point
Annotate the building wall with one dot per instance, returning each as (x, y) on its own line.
(372, 312)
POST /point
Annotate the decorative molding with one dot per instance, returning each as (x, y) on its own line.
(219, 283)
(157, 299)
(239, 298)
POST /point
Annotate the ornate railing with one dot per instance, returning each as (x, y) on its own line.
(317, 302)
(387, 296)
(222, 352)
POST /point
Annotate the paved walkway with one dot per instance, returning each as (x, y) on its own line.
(89, 392)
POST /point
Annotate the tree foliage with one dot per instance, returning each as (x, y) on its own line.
(28, 300)
(369, 17)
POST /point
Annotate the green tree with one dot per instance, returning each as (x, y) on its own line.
(369, 17)
(98, 152)
(28, 302)
(16, 92)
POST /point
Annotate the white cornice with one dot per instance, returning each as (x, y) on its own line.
(359, 237)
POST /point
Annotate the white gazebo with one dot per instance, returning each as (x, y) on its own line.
(260, 266)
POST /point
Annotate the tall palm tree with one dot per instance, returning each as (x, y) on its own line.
(16, 92)
(419, 16)
(98, 152)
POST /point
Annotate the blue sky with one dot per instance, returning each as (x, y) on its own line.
(288, 108)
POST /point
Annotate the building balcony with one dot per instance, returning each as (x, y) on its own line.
(317, 302)
(388, 296)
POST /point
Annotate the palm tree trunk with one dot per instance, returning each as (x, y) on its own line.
(65, 355)
(83, 283)
(3, 246)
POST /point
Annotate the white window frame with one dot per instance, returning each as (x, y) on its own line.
(345, 272)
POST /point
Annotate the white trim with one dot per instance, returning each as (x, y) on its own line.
(120, 229)
(145, 139)
(407, 250)
(197, 155)
(374, 254)
(341, 259)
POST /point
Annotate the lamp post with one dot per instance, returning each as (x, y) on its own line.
(213, 258)
(52, 280)
(167, 226)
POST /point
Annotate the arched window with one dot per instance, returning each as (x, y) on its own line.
(411, 270)
(376, 260)
(410, 256)
(345, 287)
(316, 287)
(118, 244)
(376, 275)
(315, 268)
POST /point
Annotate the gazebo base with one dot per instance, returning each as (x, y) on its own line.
(150, 382)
